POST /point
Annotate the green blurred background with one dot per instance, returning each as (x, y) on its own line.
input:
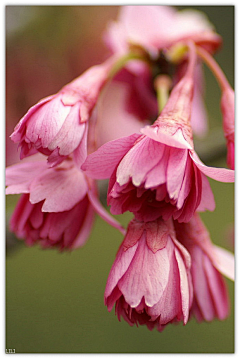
(54, 301)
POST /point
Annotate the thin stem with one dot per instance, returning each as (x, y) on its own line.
(214, 67)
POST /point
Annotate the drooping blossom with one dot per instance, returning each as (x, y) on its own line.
(209, 262)
(228, 111)
(57, 206)
(156, 30)
(157, 173)
(57, 125)
(150, 281)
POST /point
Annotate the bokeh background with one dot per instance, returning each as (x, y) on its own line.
(54, 301)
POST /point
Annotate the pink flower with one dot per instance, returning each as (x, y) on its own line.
(158, 27)
(57, 125)
(208, 262)
(58, 204)
(158, 173)
(150, 280)
(228, 111)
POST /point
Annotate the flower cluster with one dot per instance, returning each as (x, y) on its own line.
(131, 120)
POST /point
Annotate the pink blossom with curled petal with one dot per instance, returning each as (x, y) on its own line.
(208, 263)
(158, 27)
(150, 281)
(58, 204)
(228, 111)
(57, 125)
(158, 173)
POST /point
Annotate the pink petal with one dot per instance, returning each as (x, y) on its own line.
(186, 183)
(85, 228)
(147, 276)
(193, 200)
(19, 129)
(175, 171)
(184, 287)
(20, 216)
(146, 24)
(207, 200)
(134, 233)
(70, 134)
(55, 158)
(157, 233)
(169, 305)
(101, 163)
(218, 174)
(201, 289)
(119, 268)
(46, 122)
(140, 159)
(217, 289)
(224, 261)
(80, 153)
(36, 217)
(60, 188)
(158, 174)
(20, 176)
(177, 140)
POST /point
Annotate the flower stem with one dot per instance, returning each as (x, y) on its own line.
(214, 67)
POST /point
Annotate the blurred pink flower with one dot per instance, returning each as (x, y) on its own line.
(158, 27)
(57, 206)
(158, 173)
(208, 262)
(228, 111)
(57, 125)
(114, 119)
(150, 280)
